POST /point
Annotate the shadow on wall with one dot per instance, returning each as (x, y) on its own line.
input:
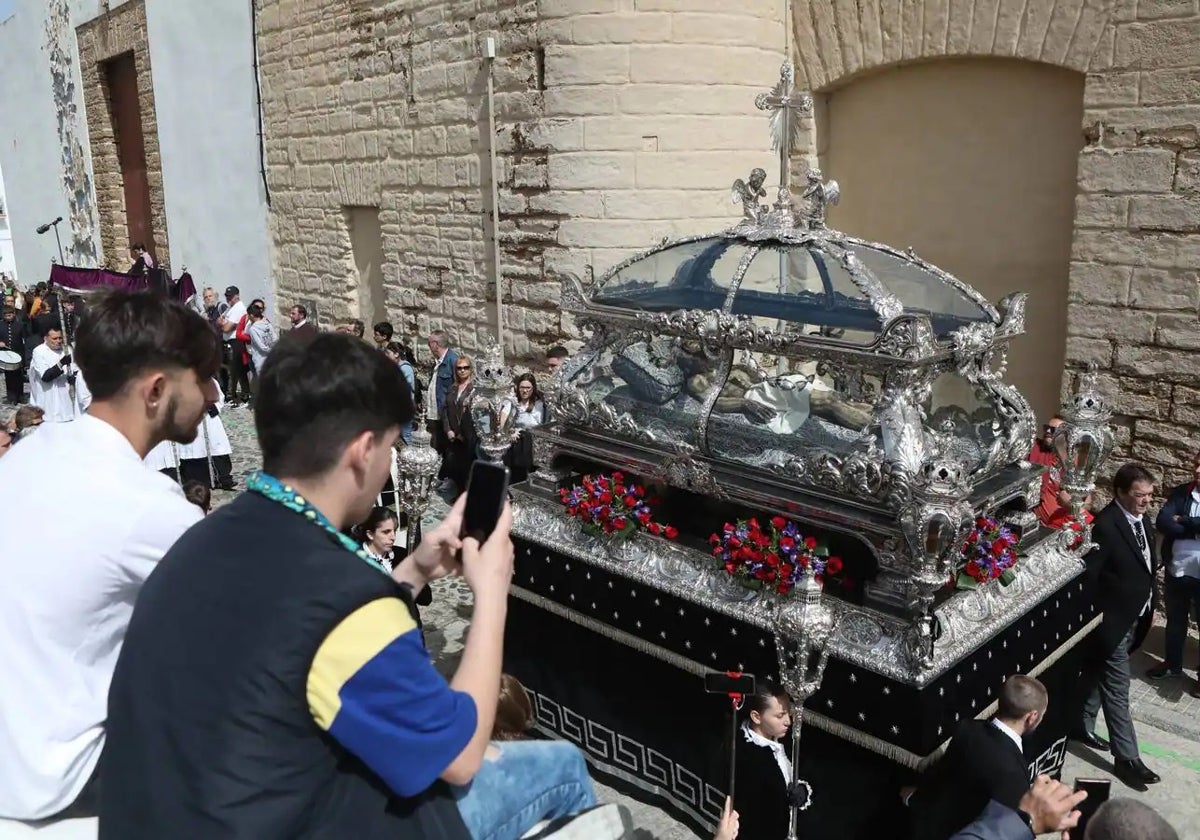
(973, 163)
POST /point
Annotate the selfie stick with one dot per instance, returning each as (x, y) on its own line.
(737, 700)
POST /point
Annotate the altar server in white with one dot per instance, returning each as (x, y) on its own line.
(211, 439)
(49, 383)
(164, 458)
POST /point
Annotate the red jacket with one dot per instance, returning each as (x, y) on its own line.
(243, 337)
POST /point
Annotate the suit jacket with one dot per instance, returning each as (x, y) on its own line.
(997, 822)
(444, 379)
(14, 333)
(1179, 503)
(760, 793)
(981, 764)
(1122, 582)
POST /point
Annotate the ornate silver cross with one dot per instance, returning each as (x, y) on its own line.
(786, 105)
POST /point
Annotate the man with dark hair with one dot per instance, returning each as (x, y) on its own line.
(50, 374)
(67, 597)
(555, 357)
(984, 761)
(1122, 569)
(1054, 506)
(383, 334)
(1179, 523)
(1128, 819)
(302, 328)
(313, 708)
(142, 261)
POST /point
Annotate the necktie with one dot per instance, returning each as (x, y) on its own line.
(1139, 535)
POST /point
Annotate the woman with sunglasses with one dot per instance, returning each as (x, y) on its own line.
(460, 429)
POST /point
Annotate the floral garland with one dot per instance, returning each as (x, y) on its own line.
(989, 553)
(776, 556)
(609, 505)
(1075, 525)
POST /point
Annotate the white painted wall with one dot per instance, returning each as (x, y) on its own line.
(207, 112)
(34, 153)
(8, 263)
(201, 56)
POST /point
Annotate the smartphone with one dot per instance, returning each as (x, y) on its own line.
(716, 682)
(487, 491)
(1097, 794)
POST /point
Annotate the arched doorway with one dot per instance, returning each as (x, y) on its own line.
(973, 163)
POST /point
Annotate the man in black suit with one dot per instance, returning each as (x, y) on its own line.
(985, 761)
(1122, 569)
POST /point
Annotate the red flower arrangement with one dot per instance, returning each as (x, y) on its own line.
(990, 554)
(776, 556)
(609, 505)
(1076, 526)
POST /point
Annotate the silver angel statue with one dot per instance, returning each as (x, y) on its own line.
(748, 192)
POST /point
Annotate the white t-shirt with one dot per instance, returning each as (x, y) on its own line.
(75, 557)
(233, 315)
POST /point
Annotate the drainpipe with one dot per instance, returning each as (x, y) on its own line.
(262, 138)
(490, 56)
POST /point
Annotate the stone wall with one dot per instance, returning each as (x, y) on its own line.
(120, 31)
(618, 122)
(1133, 286)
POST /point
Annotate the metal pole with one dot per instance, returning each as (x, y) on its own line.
(490, 54)
(58, 239)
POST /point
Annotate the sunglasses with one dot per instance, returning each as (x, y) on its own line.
(462, 367)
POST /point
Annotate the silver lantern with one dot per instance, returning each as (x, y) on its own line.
(935, 525)
(803, 625)
(417, 467)
(1082, 444)
(493, 408)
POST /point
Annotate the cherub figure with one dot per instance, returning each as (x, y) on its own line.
(748, 192)
(820, 194)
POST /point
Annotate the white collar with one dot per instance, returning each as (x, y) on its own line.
(781, 759)
(1129, 516)
(300, 324)
(1010, 732)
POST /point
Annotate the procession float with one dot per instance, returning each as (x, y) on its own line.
(789, 452)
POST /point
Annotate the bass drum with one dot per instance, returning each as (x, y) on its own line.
(10, 360)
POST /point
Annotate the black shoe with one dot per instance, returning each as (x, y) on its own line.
(1089, 739)
(1135, 774)
(1159, 672)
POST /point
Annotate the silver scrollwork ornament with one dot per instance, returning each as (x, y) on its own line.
(1082, 443)
(803, 626)
(417, 466)
(493, 408)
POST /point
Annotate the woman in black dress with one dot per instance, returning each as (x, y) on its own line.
(763, 770)
(460, 428)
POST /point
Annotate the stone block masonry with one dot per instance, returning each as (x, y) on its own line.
(609, 136)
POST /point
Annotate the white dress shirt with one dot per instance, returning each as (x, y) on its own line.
(1011, 733)
(84, 522)
(1135, 523)
(781, 759)
(431, 406)
(1185, 552)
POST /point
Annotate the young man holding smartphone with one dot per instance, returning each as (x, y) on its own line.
(274, 682)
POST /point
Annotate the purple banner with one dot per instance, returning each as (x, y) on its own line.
(91, 279)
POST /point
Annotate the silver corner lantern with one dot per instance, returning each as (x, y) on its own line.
(803, 625)
(494, 403)
(417, 467)
(935, 525)
(1082, 444)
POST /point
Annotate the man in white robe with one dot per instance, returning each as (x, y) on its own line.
(49, 381)
(211, 439)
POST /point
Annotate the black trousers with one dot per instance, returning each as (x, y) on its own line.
(239, 372)
(14, 385)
